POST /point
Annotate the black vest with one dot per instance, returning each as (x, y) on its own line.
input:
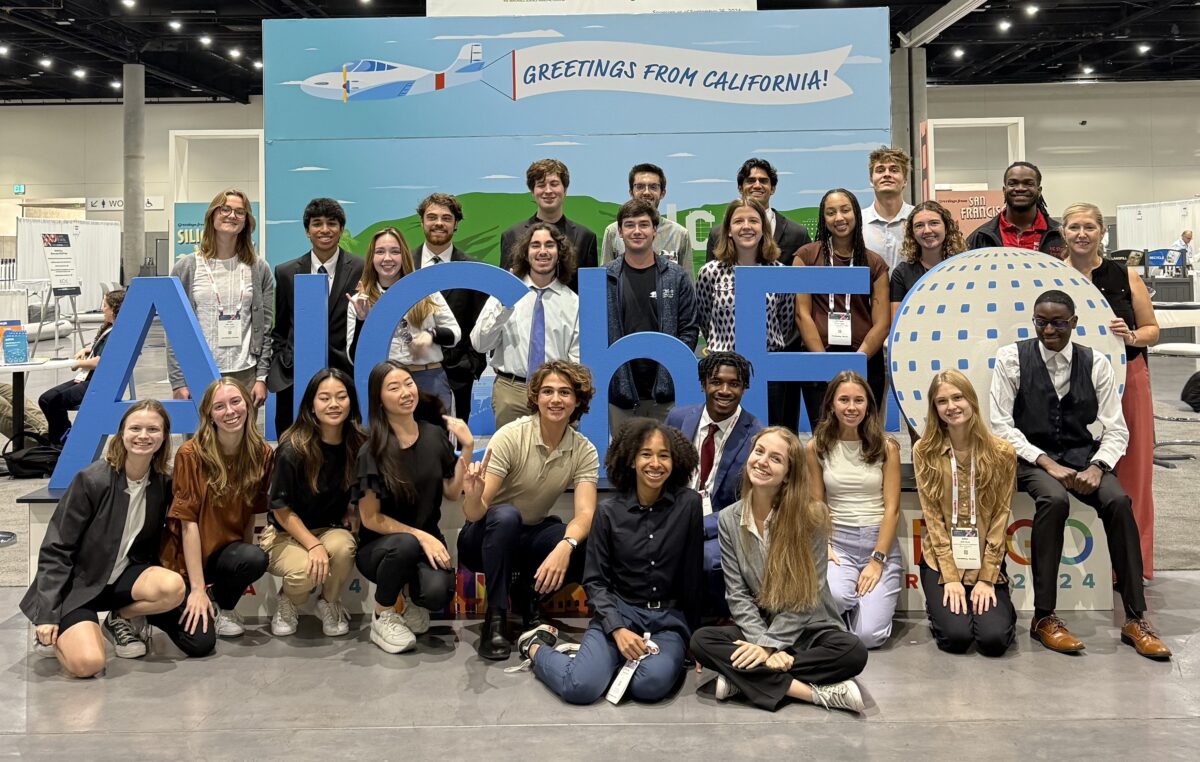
(1057, 427)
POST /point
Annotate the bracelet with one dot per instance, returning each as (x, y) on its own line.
(315, 544)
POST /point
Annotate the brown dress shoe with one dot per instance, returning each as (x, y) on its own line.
(1052, 632)
(1139, 634)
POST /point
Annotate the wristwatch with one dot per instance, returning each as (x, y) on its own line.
(877, 556)
(571, 541)
(1102, 466)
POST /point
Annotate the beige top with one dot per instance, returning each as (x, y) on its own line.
(534, 476)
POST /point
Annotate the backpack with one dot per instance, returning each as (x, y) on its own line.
(34, 462)
(1191, 392)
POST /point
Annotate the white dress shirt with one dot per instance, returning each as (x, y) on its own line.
(505, 332)
(330, 266)
(401, 349)
(1114, 435)
(883, 236)
(719, 437)
(427, 255)
(134, 520)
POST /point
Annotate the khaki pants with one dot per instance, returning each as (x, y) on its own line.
(288, 560)
(510, 401)
(34, 420)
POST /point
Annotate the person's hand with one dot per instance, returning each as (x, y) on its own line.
(473, 477)
(318, 564)
(868, 577)
(748, 655)
(631, 646)
(258, 393)
(361, 305)
(550, 575)
(1061, 474)
(954, 597)
(47, 634)
(983, 597)
(421, 343)
(1087, 481)
(197, 610)
(181, 393)
(350, 520)
(435, 551)
(81, 354)
(832, 556)
(1119, 328)
(458, 427)
(780, 661)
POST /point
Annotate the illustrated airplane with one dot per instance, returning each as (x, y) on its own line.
(370, 79)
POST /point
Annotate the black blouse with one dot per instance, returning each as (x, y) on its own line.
(290, 487)
(426, 462)
(1113, 281)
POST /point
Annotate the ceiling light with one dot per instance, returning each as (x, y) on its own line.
(205, 40)
(80, 73)
(959, 52)
(235, 53)
(1005, 25)
(3, 50)
(45, 63)
(1088, 70)
(128, 3)
(258, 64)
(1143, 48)
(365, 2)
(115, 84)
(1031, 10)
(175, 25)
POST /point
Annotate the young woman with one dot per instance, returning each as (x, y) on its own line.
(307, 538)
(56, 402)
(405, 469)
(101, 551)
(222, 478)
(422, 334)
(931, 236)
(843, 322)
(788, 639)
(1134, 324)
(233, 295)
(643, 573)
(965, 479)
(855, 469)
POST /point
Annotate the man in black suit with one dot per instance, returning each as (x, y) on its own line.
(547, 180)
(440, 214)
(324, 220)
(757, 179)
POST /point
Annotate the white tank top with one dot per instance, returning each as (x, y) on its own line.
(853, 489)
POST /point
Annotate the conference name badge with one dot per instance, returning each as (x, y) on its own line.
(839, 329)
(229, 330)
(964, 543)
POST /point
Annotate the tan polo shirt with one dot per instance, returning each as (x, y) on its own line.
(534, 476)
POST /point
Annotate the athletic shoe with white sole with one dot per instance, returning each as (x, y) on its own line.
(542, 635)
(843, 695)
(124, 638)
(286, 618)
(229, 624)
(335, 620)
(416, 617)
(389, 632)
(725, 689)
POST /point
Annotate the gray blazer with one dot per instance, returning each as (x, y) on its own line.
(743, 559)
(262, 315)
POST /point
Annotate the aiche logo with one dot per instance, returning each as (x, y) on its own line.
(1018, 546)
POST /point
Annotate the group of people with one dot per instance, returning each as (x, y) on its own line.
(773, 562)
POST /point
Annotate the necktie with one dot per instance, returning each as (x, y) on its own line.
(328, 281)
(708, 452)
(436, 260)
(537, 334)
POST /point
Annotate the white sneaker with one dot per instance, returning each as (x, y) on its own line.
(843, 695)
(389, 632)
(126, 642)
(416, 617)
(42, 650)
(229, 624)
(727, 690)
(286, 618)
(334, 618)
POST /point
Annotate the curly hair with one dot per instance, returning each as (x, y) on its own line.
(628, 441)
(953, 243)
(578, 376)
(708, 365)
(519, 254)
(887, 154)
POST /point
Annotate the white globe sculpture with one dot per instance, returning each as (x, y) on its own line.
(970, 305)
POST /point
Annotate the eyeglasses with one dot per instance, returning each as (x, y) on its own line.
(225, 210)
(1058, 325)
(640, 187)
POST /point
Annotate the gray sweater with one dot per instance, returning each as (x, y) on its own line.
(743, 558)
(262, 316)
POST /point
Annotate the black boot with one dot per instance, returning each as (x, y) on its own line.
(492, 643)
(526, 602)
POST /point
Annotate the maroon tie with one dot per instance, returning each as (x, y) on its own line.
(707, 453)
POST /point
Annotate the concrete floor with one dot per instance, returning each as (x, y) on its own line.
(309, 697)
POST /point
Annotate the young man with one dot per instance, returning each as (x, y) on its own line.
(324, 221)
(721, 432)
(1046, 392)
(649, 183)
(548, 180)
(645, 292)
(509, 494)
(757, 179)
(550, 312)
(440, 214)
(1024, 222)
(884, 220)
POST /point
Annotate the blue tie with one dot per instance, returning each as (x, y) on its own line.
(328, 281)
(537, 334)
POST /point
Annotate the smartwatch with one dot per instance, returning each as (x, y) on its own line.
(877, 556)
(1102, 466)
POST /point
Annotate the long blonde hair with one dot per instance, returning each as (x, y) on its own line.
(931, 469)
(369, 283)
(790, 573)
(245, 239)
(240, 476)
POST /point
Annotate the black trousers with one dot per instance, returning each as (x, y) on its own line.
(814, 391)
(499, 544)
(231, 569)
(56, 402)
(783, 397)
(396, 560)
(1052, 507)
(834, 656)
(284, 399)
(461, 384)
(992, 632)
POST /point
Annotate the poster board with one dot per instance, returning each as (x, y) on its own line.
(95, 251)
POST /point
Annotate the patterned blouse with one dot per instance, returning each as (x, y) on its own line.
(714, 295)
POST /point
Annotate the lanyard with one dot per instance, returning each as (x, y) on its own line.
(829, 259)
(954, 489)
(213, 282)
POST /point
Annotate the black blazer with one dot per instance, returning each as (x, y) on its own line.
(81, 543)
(462, 363)
(345, 280)
(788, 235)
(582, 240)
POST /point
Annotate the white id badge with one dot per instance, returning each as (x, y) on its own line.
(839, 329)
(706, 503)
(229, 330)
(964, 543)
